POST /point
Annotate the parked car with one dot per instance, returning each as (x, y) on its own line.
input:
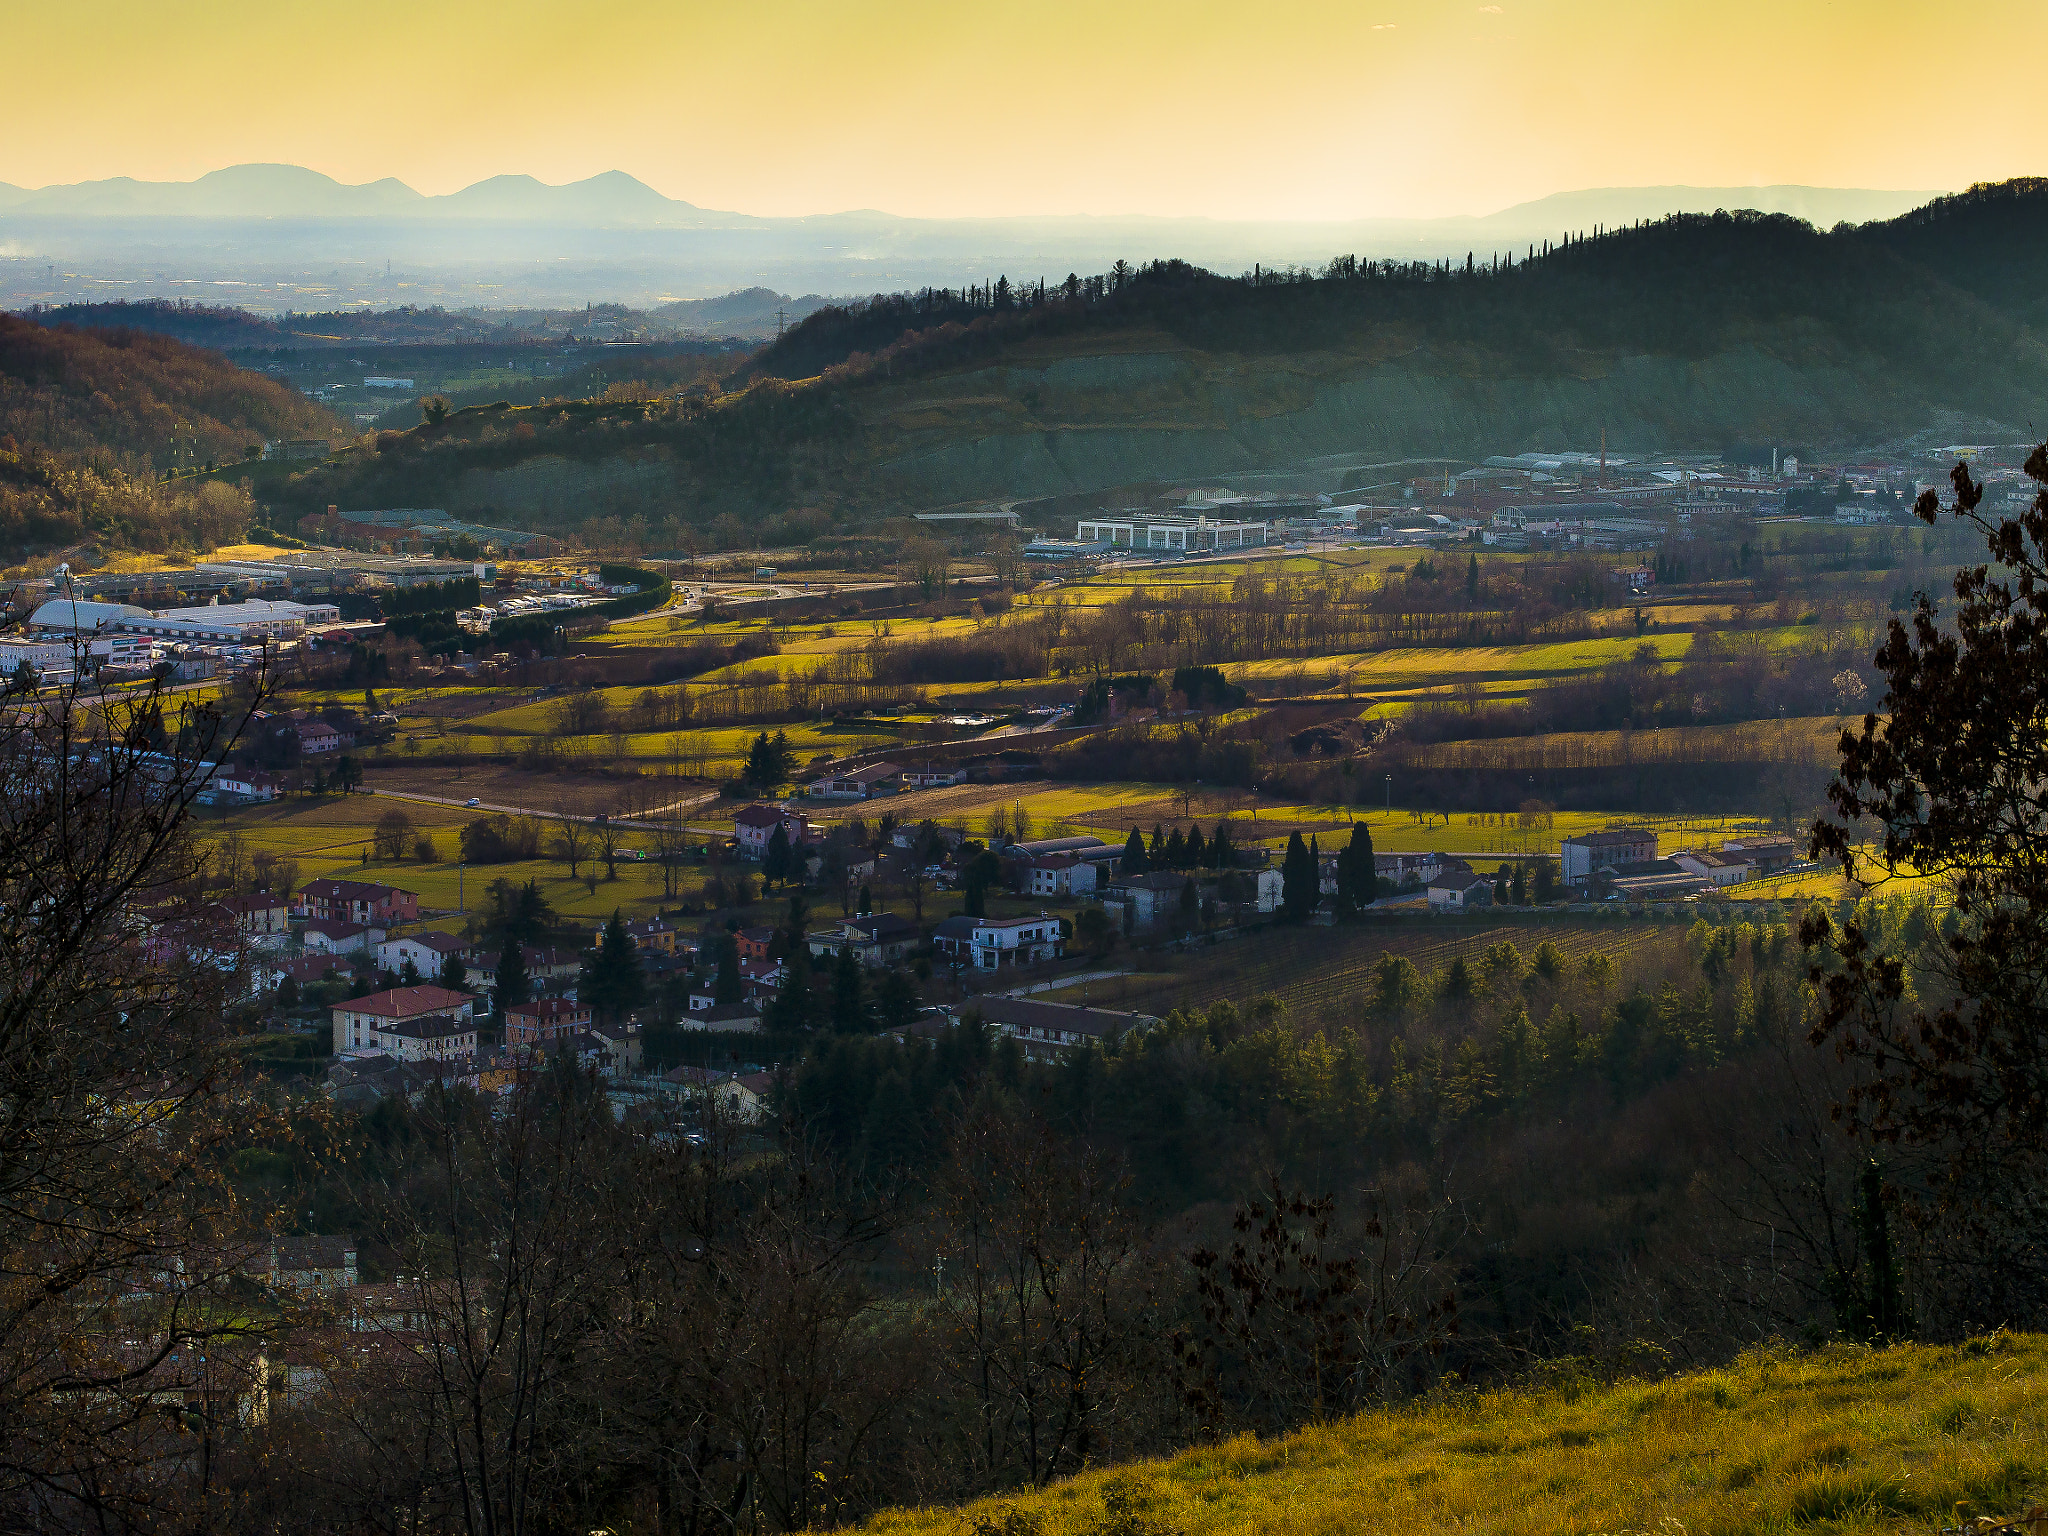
(474, 800)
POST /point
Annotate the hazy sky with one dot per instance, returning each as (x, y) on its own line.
(1288, 110)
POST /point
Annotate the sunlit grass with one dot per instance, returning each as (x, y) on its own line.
(1845, 1440)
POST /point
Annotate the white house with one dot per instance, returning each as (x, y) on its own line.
(1581, 856)
(428, 953)
(988, 943)
(251, 782)
(859, 783)
(366, 1023)
(1456, 889)
(1061, 874)
(933, 778)
(335, 936)
(754, 827)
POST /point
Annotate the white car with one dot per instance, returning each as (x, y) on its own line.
(474, 800)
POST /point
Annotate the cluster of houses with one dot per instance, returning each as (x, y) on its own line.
(1620, 863)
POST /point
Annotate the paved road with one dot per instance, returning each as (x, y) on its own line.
(545, 814)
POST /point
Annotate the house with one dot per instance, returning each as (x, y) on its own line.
(859, 783)
(308, 1263)
(259, 915)
(738, 1018)
(545, 1019)
(1060, 874)
(425, 1037)
(333, 936)
(1411, 868)
(933, 778)
(988, 943)
(356, 901)
(649, 934)
(428, 952)
(754, 828)
(744, 1098)
(1268, 886)
(250, 784)
(1458, 889)
(622, 1046)
(304, 971)
(1716, 868)
(753, 943)
(359, 1021)
(762, 979)
(1582, 856)
(1142, 903)
(1053, 1031)
(317, 737)
(876, 939)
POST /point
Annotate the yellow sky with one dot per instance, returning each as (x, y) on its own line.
(1278, 110)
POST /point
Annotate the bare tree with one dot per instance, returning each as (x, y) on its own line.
(572, 842)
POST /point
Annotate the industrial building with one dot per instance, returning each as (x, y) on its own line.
(1179, 534)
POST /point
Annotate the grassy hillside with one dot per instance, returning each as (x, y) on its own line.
(1692, 333)
(1846, 1440)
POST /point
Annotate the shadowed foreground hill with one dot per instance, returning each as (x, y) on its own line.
(1846, 1439)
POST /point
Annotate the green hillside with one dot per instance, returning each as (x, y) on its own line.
(1692, 333)
(1843, 1440)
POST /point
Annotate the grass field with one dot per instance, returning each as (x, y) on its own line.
(1845, 1440)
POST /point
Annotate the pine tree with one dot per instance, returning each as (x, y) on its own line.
(1357, 877)
(1155, 854)
(852, 1014)
(1472, 578)
(866, 905)
(762, 769)
(511, 989)
(1220, 855)
(726, 986)
(1196, 852)
(1176, 851)
(1134, 861)
(794, 1009)
(1190, 907)
(409, 973)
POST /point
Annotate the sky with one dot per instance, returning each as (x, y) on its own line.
(1291, 109)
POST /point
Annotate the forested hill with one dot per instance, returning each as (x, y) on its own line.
(1689, 333)
(122, 397)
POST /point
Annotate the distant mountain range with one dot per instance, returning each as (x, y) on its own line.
(616, 199)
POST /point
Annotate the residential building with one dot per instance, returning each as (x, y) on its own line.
(1581, 857)
(754, 943)
(250, 784)
(859, 783)
(1715, 868)
(356, 901)
(334, 936)
(737, 1018)
(989, 943)
(1060, 874)
(622, 1047)
(1143, 903)
(436, 1037)
(755, 825)
(876, 939)
(1051, 1031)
(1458, 889)
(259, 915)
(360, 1022)
(543, 1020)
(649, 934)
(428, 953)
(933, 778)
(308, 1263)
(317, 737)
(1411, 868)
(744, 1098)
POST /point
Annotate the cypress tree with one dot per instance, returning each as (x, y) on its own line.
(612, 981)
(454, 974)
(726, 987)
(1134, 860)
(1176, 851)
(851, 1012)
(1196, 853)
(1220, 855)
(1297, 884)
(511, 989)
(775, 859)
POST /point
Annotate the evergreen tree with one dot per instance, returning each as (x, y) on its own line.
(454, 974)
(1357, 879)
(775, 860)
(983, 871)
(866, 905)
(897, 1000)
(1196, 852)
(1518, 888)
(725, 986)
(1297, 881)
(1220, 854)
(1176, 851)
(1190, 907)
(1503, 882)
(409, 973)
(1472, 578)
(782, 758)
(287, 993)
(852, 1013)
(613, 983)
(1134, 861)
(794, 1009)
(511, 989)
(764, 768)
(1155, 854)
